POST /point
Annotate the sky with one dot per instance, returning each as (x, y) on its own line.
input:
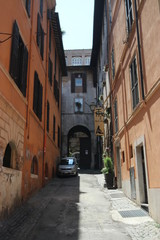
(76, 20)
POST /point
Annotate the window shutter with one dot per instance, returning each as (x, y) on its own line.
(35, 99)
(23, 78)
(72, 83)
(49, 68)
(38, 29)
(40, 101)
(42, 43)
(84, 83)
(41, 7)
(54, 125)
(50, 36)
(14, 66)
(28, 7)
(47, 116)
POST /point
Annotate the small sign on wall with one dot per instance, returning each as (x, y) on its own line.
(99, 121)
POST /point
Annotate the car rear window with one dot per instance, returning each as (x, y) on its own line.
(67, 161)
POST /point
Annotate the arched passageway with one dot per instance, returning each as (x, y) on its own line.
(79, 143)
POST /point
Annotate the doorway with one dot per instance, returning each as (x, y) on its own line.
(142, 175)
(119, 176)
(79, 143)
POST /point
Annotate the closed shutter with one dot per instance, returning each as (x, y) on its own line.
(38, 29)
(47, 116)
(42, 43)
(14, 66)
(84, 83)
(54, 127)
(41, 7)
(28, 7)
(72, 83)
(50, 36)
(23, 78)
(49, 68)
(40, 96)
(35, 96)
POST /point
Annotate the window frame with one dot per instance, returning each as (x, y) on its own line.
(129, 15)
(115, 116)
(134, 82)
(81, 101)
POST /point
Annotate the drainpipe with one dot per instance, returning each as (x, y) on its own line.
(139, 50)
(45, 108)
(29, 71)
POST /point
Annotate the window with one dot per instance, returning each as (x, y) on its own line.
(129, 14)
(78, 83)
(76, 61)
(110, 13)
(41, 7)
(130, 151)
(87, 60)
(34, 166)
(78, 105)
(28, 7)
(55, 66)
(59, 137)
(115, 116)
(46, 170)
(19, 60)
(113, 64)
(134, 83)
(40, 36)
(54, 127)
(50, 34)
(56, 90)
(48, 108)
(66, 61)
(123, 157)
(50, 69)
(37, 98)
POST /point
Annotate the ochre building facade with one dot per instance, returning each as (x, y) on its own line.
(31, 66)
(135, 89)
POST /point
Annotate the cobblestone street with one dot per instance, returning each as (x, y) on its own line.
(79, 209)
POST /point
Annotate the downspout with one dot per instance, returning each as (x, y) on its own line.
(139, 51)
(28, 78)
(45, 108)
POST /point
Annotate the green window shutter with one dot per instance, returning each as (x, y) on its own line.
(28, 7)
(14, 66)
(23, 78)
(38, 29)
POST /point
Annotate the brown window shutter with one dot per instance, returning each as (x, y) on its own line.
(73, 83)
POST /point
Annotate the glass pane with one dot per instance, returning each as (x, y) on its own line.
(78, 82)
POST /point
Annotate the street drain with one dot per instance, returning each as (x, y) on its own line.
(117, 195)
(133, 213)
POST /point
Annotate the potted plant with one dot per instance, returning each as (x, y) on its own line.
(108, 171)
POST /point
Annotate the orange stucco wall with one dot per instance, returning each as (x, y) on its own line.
(19, 125)
(144, 119)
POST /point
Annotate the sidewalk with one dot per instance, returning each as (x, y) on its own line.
(138, 223)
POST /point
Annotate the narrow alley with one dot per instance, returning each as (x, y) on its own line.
(79, 208)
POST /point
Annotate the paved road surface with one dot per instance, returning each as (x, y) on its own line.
(77, 208)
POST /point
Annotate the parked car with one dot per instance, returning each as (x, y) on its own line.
(68, 166)
(77, 156)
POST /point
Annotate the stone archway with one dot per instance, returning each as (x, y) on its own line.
(79, 141)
